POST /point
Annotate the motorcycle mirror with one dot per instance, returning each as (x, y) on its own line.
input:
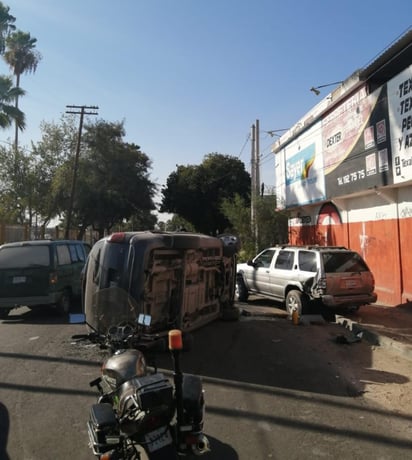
(144, 320)
(77, 318)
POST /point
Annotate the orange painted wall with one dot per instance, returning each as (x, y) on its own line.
(381, 243)
(405, 235)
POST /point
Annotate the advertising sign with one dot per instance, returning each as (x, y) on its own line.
(304, 182)
(400, 108)
(356, 144)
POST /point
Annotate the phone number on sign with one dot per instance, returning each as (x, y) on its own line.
(352, 177)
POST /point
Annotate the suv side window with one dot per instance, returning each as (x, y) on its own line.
(264, 259)
(284, 260)
(63, 254)
(307, 261)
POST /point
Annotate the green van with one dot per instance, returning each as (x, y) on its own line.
(41, 272)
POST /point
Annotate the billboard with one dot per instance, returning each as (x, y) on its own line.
(303, 169)
(400, 116)
(356, 144)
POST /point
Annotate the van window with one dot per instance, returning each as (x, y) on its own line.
(73, 253)
(63, 254)
(80, 252)
(24, 256)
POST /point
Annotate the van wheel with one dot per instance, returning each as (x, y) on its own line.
(63, 307)
(295, 300)
(241, 293)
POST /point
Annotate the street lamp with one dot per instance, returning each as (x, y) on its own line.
(315, 89)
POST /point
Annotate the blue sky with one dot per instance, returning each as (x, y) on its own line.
(190, 77)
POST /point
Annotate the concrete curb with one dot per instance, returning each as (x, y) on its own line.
(376, 339)
(371, 336)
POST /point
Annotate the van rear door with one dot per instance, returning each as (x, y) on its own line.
(24, 271)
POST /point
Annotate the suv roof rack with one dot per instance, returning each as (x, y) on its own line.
(310, 246)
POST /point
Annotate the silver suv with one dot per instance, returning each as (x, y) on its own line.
(336, 276)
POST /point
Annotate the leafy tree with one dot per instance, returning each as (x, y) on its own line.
(22, 57)
(10, 114)
(175, 224)
(142, 219)
(6, 25)
(113, 183)
(196, 193)
(237, 211)
(272, 225)
(16, 183)
(51, 154)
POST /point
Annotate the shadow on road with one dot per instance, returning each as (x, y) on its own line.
(39, 315)
(275, 353)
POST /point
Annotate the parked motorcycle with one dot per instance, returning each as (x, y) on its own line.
(138, 408)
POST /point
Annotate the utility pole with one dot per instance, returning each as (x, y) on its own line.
(82, 111)
(255, 186)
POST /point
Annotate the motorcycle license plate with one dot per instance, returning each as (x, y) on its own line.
(158, 438)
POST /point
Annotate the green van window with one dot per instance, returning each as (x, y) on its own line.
(63, 254)
(80, 252)
(73, 253)
(24, 256)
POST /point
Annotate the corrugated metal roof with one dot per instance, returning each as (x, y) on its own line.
(396, 57)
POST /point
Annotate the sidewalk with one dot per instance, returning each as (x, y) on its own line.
(389, 327)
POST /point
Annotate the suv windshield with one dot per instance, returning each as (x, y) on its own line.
(24, 256)
(343, 262)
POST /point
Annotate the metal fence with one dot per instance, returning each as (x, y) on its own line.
(12, 233)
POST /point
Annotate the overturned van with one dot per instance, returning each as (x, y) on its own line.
(182, 280)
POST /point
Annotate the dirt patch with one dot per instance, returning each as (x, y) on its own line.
(382, 376)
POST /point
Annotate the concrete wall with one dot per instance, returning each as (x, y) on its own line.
(378, 226)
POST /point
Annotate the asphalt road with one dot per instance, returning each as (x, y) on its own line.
(273, 391)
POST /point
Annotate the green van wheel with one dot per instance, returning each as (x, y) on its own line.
(63, 307)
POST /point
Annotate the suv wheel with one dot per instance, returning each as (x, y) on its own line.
(295, 300)
(241, 293)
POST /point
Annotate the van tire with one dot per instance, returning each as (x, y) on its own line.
(63, 306)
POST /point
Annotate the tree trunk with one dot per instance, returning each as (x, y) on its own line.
(16, 134)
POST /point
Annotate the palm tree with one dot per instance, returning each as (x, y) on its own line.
(9, 113)
(6, 25)
(22, 58)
